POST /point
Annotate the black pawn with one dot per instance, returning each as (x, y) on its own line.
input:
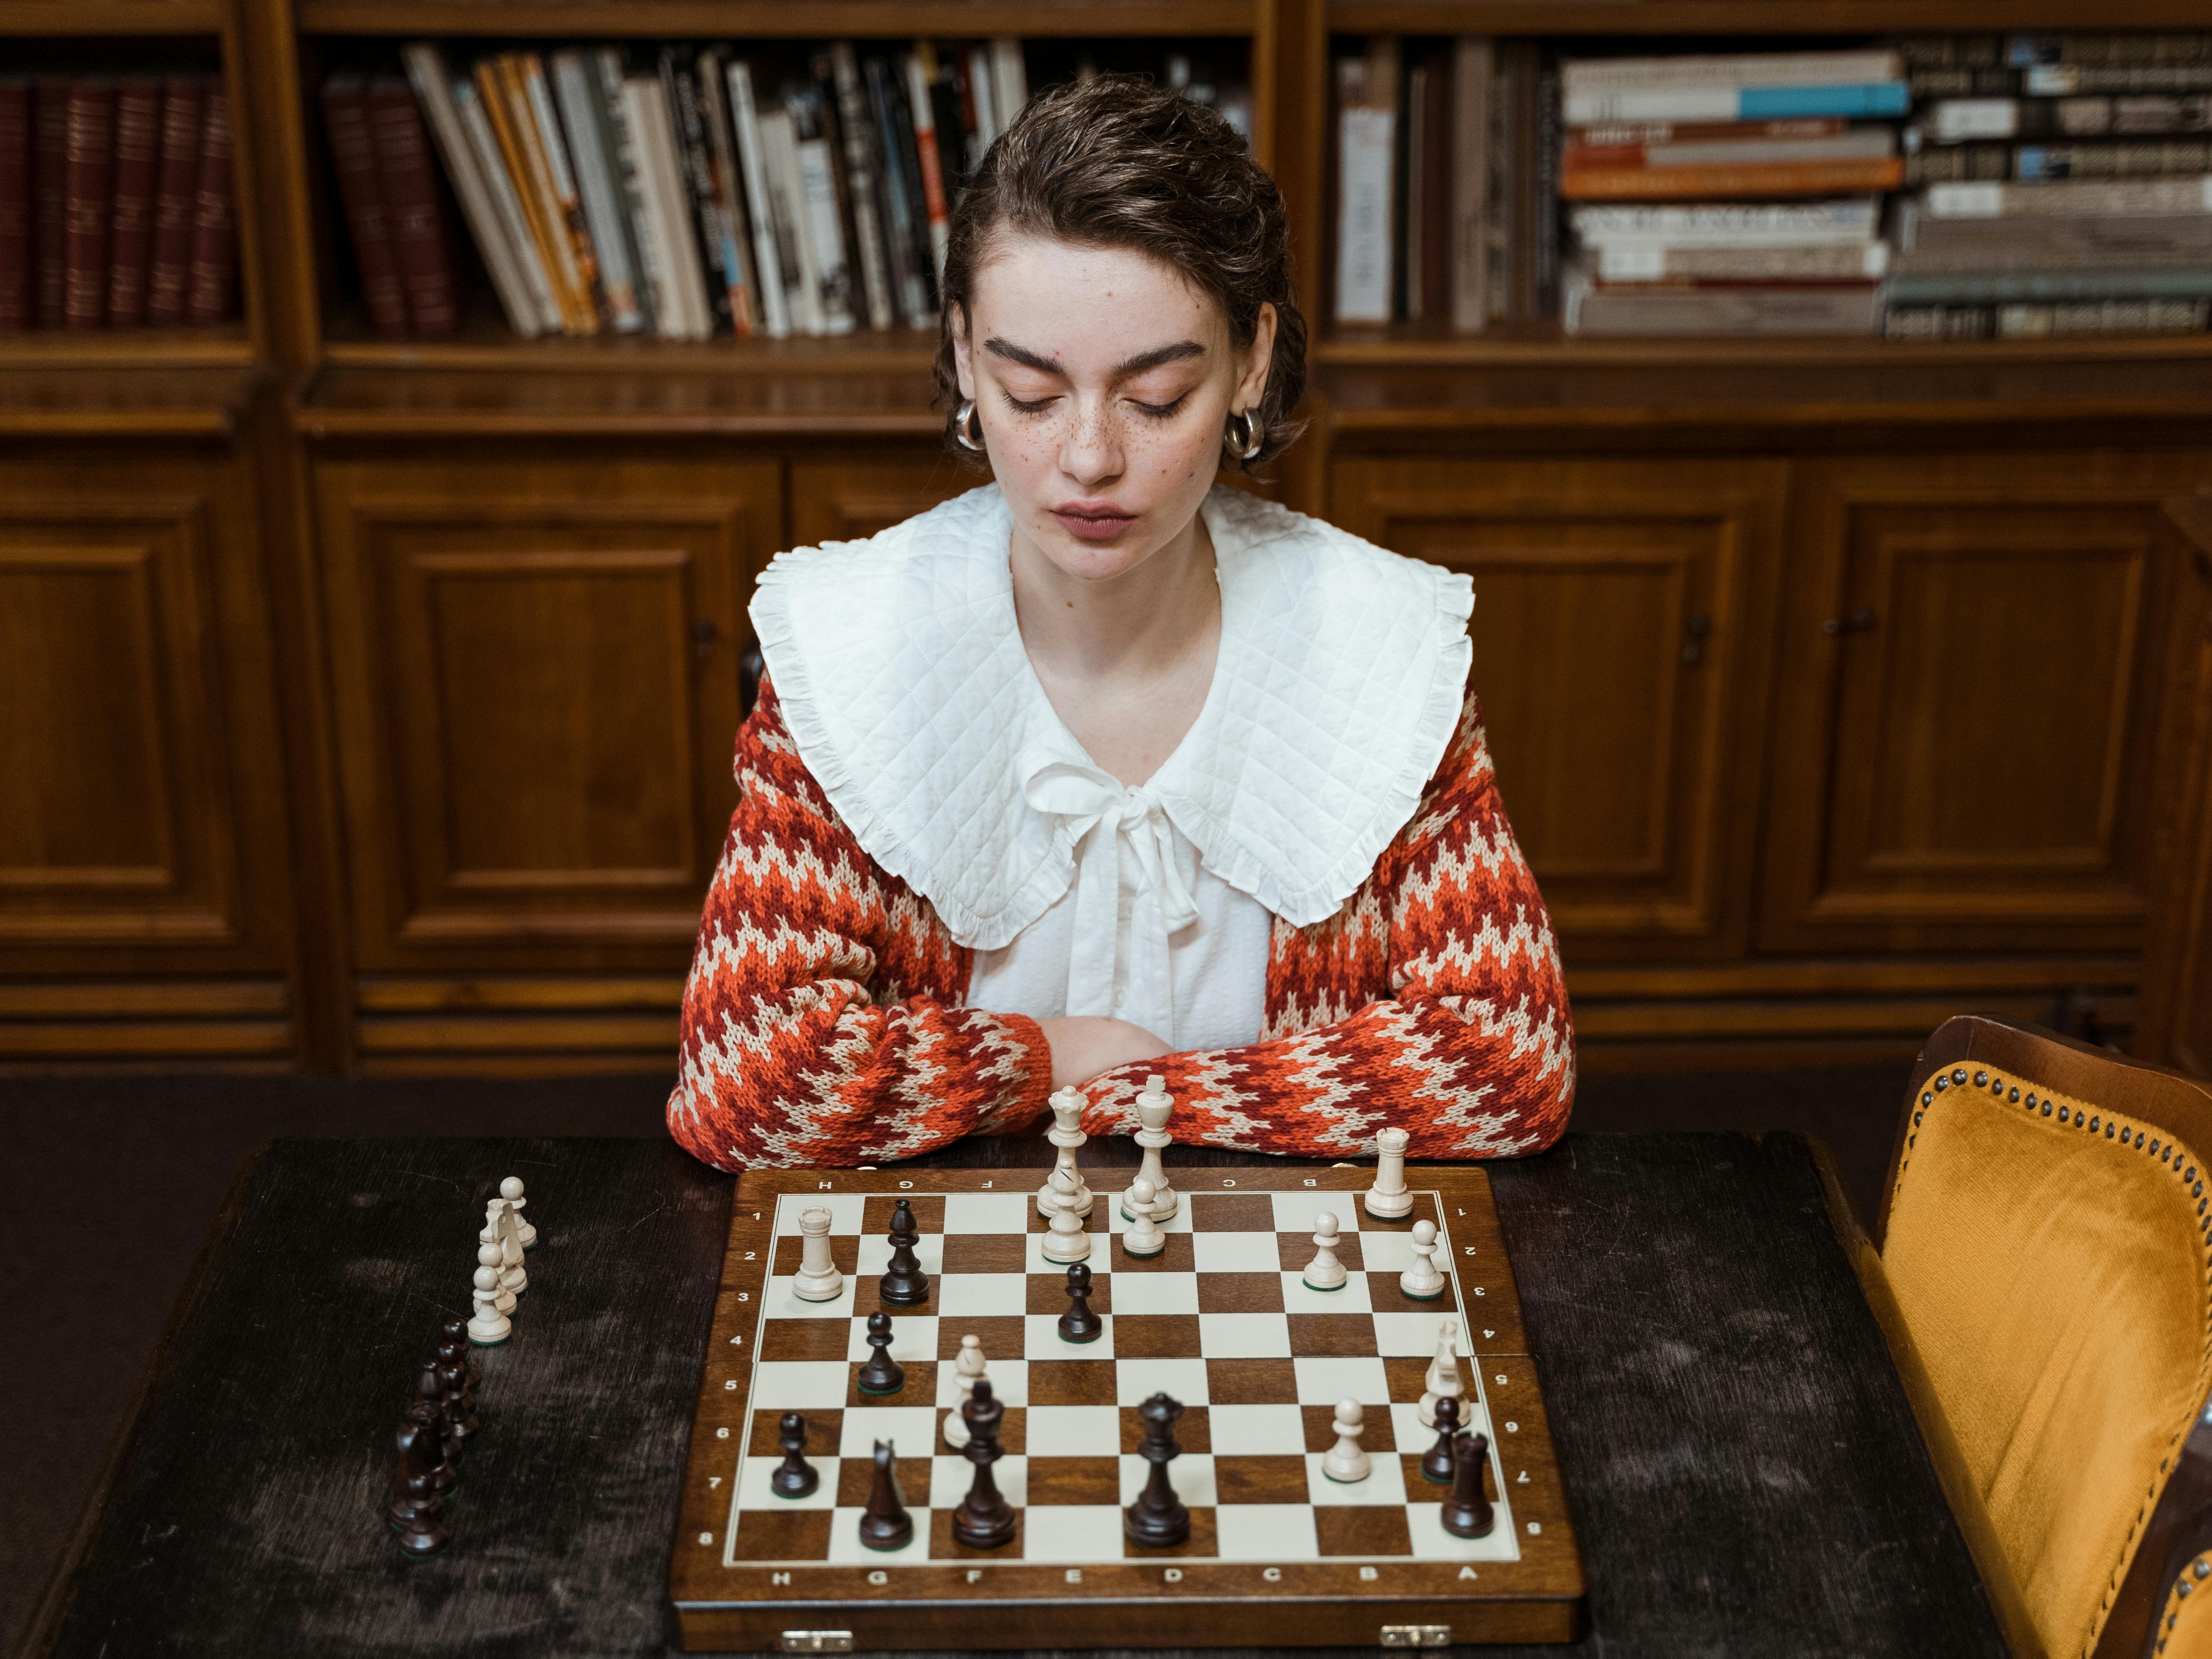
(794, 1477)
(1078, 1323)
(456, 1402)
(884, 1524)
(882, 1374)
(423, 1533)
(1466, 1512)
(424, 1429)
(904, 1285)
(1157, 1518)
(984, 1520)
(1439, 1464)
(455, 1333)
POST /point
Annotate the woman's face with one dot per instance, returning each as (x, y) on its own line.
(1102, 381)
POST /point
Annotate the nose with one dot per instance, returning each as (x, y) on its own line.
(1090, 449)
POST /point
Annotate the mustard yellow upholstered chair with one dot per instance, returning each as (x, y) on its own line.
(2043, 1267)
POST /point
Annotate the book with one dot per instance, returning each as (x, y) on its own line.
(1586, 78)
(823, 226)
(2188, 283)
(671, 206)
(1776, 224)
(353, 159)
(1962, 120)
(1509, 90)
(903, 235)
(627, 165)
(2027, 321)
(176, 190)
(583, 119)
(1727, 103)
(1542, 217)
(672, 313)
(985, 123)
(1756, 143)
(2192, 47)
(506, 203)
(1010, 80)
(771, 271)
(1595, 308)
(949, 118)
(434, 92)
(930, 166)
(787, 202)
(2140, 158)
(2069, 198)
(1644, 135)
(729, 192)
(1472, 68)
(856, 127)
(213, 268)
(679, 86)
(1604, 184)
(2118, 80)
(532, 193)
(409, 186)
(1617, 263)
(16, 297)
(1367, 124)
(130, 225)
(88, 204)
(50, 194)
(540, 127)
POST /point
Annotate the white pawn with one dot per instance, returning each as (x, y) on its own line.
(513, 1278)
(1154, 1106)
(511, 1190)
(1423, 1278)
(1387, 1197)
(966, 1370)
(1325, 1272)
(818, 1279)
(1064, 1239)
(1443, 1381)
(491, 1327)
(1144, 1236)
(1067, 1134)
(490, 1258)
(1346, 1461)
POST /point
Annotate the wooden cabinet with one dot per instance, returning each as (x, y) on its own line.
(536, 669)
(2176, 1029)
(860, 494)
(1968, 695)
(1621, 618)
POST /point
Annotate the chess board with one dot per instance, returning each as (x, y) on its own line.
(1278, 1554)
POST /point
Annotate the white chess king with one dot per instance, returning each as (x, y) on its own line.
(1154, 1106)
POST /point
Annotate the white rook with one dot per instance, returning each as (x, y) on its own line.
(1387, 1197)
(818, 1279)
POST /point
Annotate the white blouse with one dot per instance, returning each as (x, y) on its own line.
(910, 697)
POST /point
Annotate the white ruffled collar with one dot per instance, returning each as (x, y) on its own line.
(906, 687)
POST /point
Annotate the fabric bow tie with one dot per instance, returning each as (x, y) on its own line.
(1104, 816)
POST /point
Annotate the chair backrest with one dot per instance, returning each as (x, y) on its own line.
(2046, 1240)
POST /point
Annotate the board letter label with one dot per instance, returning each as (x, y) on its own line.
(1075, 1575)
(1273, 1575)
(1368, 1575)
(880, 1577)
(1173, 1575)
(974, 1574)
(779, 1578)
(1466, 1572)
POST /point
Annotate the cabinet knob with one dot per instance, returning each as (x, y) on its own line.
(703, 636)
(1696, 625)
(1859, 621)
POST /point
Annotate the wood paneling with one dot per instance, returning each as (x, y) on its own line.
(1969, 693)
(2176, 1021)
(1620, 619)
(843, 500)
(536, 693)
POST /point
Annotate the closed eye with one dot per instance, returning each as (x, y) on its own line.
(1160, 411)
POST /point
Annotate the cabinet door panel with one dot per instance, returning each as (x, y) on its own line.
(1620, 611)
(1969, 702)
(845, 500)
(537, 691)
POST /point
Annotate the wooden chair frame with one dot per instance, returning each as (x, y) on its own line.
(2180, 1527)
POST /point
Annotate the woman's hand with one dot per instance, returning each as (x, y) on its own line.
(1085, 1045)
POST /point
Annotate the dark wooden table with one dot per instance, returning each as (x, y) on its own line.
(1746, 1475)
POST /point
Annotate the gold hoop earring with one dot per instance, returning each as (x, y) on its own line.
(1245, 445)
(963, 418)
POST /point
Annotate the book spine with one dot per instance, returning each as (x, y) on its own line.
(1771, 223)
(862, 174)
(1730, 71)
(1520, 196)
(672, 312)
(663, 134)
(786, 199)
(425, 73)
(544, 124)
(900, 195)
(50, 194)
(1853, 309)
(2079, 80)
(1544, 207)
(1470, 177)
(1642, 135)
(14, 205)
(899, 135)
(130, 230)
(931, 165)
(1366, 153)
(2085, 198)
(408, 185)
(209, 295)
(1772, 178)
(768, 260)
(620, 144)
(2103, 317)
(953, 134)
(353, 159)
(977, 79)
(1408, 299)
(1859, 102)
(2109, 49)
(1010, 80)
(824, 232)
(507, 203)
(1964, 120)
(1858, 144)
(580, 120)
(177, 181)
(1997, 288)
(494, 97)
(729, 194)
(90, 202)
(1634, 262)
(687, 140)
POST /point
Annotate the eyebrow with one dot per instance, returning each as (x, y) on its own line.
(1154, 358)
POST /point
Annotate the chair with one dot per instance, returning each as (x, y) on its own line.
(2043, 1269)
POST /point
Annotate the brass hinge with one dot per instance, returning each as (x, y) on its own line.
(818, 1641)
(1416, 1636)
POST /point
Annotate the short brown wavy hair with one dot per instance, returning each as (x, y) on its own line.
(1116, 162)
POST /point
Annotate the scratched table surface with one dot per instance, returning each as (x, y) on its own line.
(1746, 1475)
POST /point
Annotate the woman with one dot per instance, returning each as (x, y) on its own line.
(1104, 770)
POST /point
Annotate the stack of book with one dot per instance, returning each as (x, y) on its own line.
(116, 208)
(2066, 187)
(1734, 194)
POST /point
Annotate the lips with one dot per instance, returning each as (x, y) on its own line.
(1094, 521)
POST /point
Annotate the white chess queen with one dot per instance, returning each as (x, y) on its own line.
(1071, 774)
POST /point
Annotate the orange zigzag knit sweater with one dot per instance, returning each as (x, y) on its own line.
(823, 1022)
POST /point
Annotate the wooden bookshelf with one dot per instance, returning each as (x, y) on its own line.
(288, 522)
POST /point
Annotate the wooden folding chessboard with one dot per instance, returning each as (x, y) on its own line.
(1278, 1554)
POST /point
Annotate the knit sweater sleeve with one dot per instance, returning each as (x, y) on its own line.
(822, 1024)
(1462, 1038)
